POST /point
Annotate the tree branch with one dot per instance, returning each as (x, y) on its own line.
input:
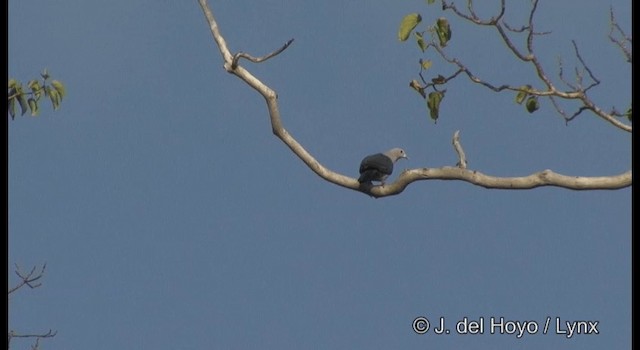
(462, 159)
(621, 43)
(13, 334)
(578, 92)
(543, 178)
(28, 279)
(240, 55)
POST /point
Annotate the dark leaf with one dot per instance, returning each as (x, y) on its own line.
(532, 104)
(433, 103)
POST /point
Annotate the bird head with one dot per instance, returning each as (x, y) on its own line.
(396, 153)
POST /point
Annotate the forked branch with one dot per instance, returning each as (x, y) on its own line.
(28, 279)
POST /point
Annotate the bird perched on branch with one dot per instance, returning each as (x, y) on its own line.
(377, 167)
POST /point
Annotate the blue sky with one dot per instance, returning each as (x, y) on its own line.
(170, 217)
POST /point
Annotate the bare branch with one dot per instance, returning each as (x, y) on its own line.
(577, 92)
(622, 43)
(472, 17)
(239, 55)
(539, 179)
(13, 334)
(561, 75)
(222, 44)
(29, 278)
(462, 158)
(567, 117)
(584, 65)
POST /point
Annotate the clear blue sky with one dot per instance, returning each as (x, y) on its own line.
(170, 217)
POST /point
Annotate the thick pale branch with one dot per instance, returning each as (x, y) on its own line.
(271, 99)
(544, 178)
(222, 44)
(539, 179)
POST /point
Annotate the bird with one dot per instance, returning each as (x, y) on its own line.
(377, 167)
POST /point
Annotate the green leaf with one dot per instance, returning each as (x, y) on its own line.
(12, 108)
(15, 88)
(409, 22)
(22, 100)
(35, 87)
(59, 88)
(628, 113)
(532, 104)
(443, 30)
(54, 96)
(425, 64)
(420, 40)
(433, 103)
(33, 106)
(430, 2)
(522, 94)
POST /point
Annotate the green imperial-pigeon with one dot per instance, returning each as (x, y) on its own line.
(377, 167)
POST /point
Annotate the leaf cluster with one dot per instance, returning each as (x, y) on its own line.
(28, 96)
(440, 30)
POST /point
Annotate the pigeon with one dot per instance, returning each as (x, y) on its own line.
(377, 167)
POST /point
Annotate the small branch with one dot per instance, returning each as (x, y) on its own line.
(561, 75)
(13, 334)
(28, 279)
(239, 55)
(498, 88)
(462, 159)
(577, 92)
(472, 17)
(564, 114)
(596, 81)
(622, 43)
(49, 334)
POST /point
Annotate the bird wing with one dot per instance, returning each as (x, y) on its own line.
(378, 162)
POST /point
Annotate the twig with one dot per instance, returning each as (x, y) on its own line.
(13, 334)
(620, 42)
(239, 55)
(28, 279)
(596, 81)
